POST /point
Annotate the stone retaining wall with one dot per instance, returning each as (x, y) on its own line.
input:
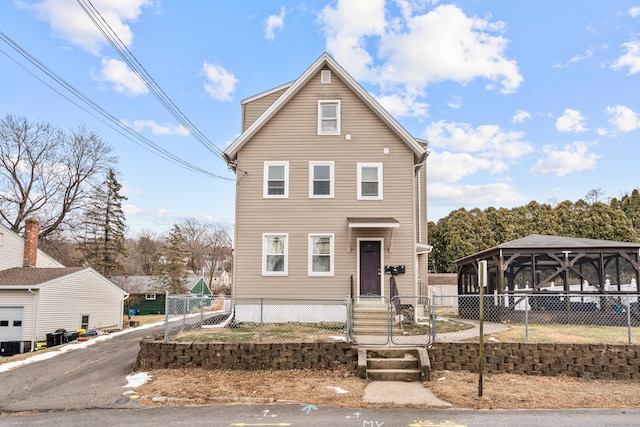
(604, 361)
(246, 356)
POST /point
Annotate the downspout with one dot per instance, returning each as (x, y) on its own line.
(418, 167)
(34, 319)
(417, 172)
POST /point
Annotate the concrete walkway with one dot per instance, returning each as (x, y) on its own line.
(402, 393)
(488, 328)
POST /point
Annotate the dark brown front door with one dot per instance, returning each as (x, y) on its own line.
(370, 267)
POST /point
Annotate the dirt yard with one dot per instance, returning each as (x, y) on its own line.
(503, 391)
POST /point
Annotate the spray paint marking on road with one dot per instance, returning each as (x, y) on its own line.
(432, 424)
(260, 424)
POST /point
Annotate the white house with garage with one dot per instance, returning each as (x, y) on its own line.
(39, 296)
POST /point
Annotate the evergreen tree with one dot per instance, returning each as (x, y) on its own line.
(173, 276)
(103, 242)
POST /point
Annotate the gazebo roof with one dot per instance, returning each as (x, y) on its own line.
(535, 242)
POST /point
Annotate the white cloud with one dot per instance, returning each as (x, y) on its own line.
(452, 167)
(521, 116)
(577, 58)
(408, 105)
(602, 132)
(634, 11)
(446, 44)
(272, 23)
(623, 118)
(69, 22)
(158, 220)
(473, 195)
(489, 140)
(455, 102)
(417, 50)
(117, 74)
(630, 59)
(157, 129)
(220, 83)
(570, 121)
(347, 28)
(572, 158)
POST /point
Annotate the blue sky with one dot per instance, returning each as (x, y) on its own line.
(520, 101)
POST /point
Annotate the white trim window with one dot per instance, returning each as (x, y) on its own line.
(329, 117)
(150, 297)
(274, 254)
(325, 76)
(321, 179)
(369, 181)
(84, 322)
(321, 254)
(276, 180)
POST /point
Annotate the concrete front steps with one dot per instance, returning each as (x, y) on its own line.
(371, 317)
(394, 364)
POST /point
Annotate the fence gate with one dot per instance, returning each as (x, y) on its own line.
(399, 321)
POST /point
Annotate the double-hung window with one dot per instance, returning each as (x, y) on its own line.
(321, 179)
(274, 254)
(276, 179)
(329, 117)
(321, 254)
(369, 181)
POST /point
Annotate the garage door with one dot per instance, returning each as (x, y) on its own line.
(11, 323)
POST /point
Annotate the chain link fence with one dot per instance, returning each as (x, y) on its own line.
(191, 318)
(544, 317)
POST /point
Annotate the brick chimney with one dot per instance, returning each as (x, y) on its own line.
(31, 230)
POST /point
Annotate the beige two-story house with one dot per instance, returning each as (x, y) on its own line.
(331, 193)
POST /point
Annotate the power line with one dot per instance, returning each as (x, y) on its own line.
(120, 127)
(130, 59)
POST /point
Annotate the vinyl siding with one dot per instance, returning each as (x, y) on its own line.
(291, 136)
(12, 252)
(63, 302)
(252, 110)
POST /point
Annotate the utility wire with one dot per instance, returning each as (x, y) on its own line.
(119, 126)
(130, 59)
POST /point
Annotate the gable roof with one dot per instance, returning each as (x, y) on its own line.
(325, 60)
(28, 276)
(150, 284)
(41, 253)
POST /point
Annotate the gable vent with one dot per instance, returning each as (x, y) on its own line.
(325, 76)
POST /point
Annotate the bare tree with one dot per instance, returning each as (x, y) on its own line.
(594, 195)
(47, 173)
(195, 235)
(143, 254)
(218, 251)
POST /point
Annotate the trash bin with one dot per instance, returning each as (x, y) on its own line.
(54, 339)
(9, 348)
(70, 336)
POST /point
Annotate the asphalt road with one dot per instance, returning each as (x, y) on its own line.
(299, 415)
(85, 387)
(91, 377)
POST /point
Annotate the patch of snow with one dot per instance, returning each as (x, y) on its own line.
(338, 390)
(136, 380)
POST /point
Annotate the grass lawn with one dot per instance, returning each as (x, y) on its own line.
(578, 334)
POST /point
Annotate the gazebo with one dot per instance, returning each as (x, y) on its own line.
(550, 268)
